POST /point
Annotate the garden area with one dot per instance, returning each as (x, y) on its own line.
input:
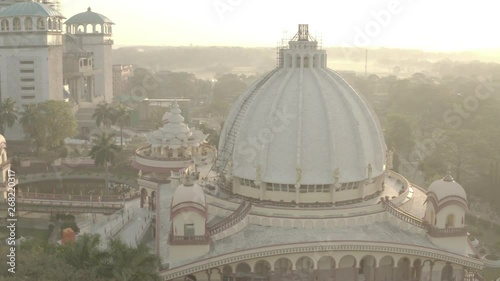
(488, 235)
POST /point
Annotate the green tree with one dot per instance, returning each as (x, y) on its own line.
(48, 123)
(30, 123)
(399, 133)
(58, 121)
(122, 116)
(8, 114)
(132, 264)
(85, 254)
(104, 114)
(104, 152)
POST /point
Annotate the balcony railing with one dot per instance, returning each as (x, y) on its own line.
(447, 232)
(232, 220)
(403, 215)
(189, 240)
(418, 222)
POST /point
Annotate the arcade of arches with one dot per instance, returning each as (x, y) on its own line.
(327, 268)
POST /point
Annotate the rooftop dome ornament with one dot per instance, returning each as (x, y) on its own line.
(448, 177)
(299, 177)
(258, 176)
(336, 176)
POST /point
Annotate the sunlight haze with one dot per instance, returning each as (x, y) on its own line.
(446, 25)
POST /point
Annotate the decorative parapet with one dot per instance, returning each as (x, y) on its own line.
(447, 232)
(403, 215)
(232, 220)
(418, 222)
(316, 247)
(189, 240)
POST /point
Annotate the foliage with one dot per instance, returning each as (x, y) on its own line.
(441, 123)
(47, 124)
(8, 114)
(104, 152)
(104, 115)
(83, 260)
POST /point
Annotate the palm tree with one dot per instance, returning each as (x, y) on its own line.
(28, 121)
(104, 151)
(103, 114)
(8, 114)
(122, 117)
(130, 264)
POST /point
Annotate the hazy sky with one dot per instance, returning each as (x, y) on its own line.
(427, 24)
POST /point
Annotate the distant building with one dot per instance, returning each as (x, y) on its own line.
(40, 60)
(121, 74)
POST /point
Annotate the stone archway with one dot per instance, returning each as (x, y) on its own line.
(416, 271)
(447, 273)
(347, 268)
(263, 270)
(227, 272)
(403, 269)
(152, 201)
(326, 269)
(144, 197)
(385, 269)
(243, 272)
(282, 269)
(304, 269)
(367, 266)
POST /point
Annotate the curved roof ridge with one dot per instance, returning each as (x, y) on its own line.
(89, 17)
(30, 9)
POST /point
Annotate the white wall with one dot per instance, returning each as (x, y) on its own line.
(188, 217)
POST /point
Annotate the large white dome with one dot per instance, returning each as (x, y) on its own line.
(299, 124)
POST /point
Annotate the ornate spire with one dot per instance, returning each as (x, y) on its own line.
(448, 176)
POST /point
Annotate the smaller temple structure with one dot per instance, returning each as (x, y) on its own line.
(175, 151)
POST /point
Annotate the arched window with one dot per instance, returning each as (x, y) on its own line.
(450, 221)
(305, 264)
(89, 28)
(5, 25)
(80, 29)
(41, 24)
(28, 23)
(447, 273)
(49, 24)
(306, 61)
(282, 265)
(98, 28)
(16, 24)
(59, 25)
(297, 61)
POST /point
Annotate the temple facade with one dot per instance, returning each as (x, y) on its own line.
(301, 189)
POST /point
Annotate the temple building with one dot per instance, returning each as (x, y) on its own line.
(44, 56)
(301, 189)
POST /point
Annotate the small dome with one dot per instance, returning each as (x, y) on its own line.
(88, 17)
(29, 9)
(189, 193)
(447, 187)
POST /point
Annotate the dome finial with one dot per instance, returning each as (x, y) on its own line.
(89, 9)
(448, 176)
